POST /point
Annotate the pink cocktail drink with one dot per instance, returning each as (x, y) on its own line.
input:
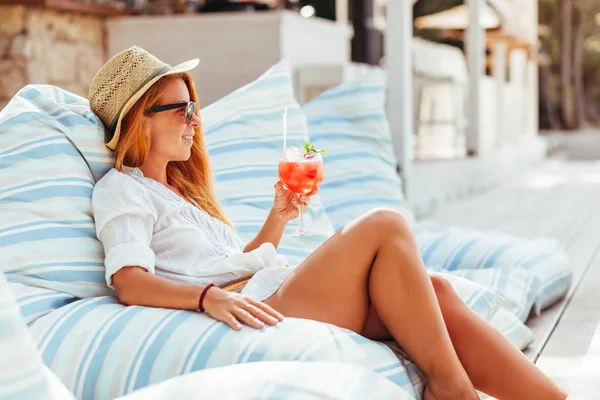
(301, 172)
(304, 175)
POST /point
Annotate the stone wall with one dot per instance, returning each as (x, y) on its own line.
(39, 45)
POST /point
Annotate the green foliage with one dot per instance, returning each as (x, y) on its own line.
(549, 14)
(310, 148)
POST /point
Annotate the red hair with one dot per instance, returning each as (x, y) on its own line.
(193, 178)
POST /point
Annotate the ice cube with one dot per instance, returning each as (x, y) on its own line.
(293, 154)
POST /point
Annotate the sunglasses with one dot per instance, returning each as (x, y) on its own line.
(190, 109)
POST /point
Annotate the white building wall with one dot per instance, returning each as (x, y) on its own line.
(234, 48)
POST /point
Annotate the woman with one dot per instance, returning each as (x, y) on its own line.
(156, 212)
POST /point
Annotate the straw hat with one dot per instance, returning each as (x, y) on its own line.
(122, 81)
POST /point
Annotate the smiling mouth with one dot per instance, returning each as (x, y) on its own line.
(189, 138)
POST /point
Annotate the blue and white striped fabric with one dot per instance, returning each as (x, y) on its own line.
(513, 329)
(36, 302)
(485, 302)
(283, 380)
(23, 375)
(51, 154)
(101, 349)
(244, 138)
(460, 248)
(518, 287)
(350, 123)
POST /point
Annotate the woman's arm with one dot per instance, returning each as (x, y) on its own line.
(285, 208)
(271, 231)
(135, 286)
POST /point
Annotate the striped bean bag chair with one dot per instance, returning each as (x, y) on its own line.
(52, 153)
(101, 349)
(24, 375)
(350, 123)
(466, 249)
(35, 302)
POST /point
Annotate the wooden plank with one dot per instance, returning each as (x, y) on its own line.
(556, 200)
(567, 352)
(581, 253)
(519, 207)
(524, 208)
(586, 386)
(578, 234)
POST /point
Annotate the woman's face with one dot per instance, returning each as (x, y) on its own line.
(171, 137)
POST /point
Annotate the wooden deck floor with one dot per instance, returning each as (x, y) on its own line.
(559, 199)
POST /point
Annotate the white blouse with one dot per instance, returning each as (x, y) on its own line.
(142, 223)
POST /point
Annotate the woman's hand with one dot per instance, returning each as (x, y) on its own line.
(235, 308)
(286, 202)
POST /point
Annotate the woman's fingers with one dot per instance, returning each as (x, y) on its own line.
(247, 318)
(266, 308)
(260, 314)
(232, 322)
(245, 310)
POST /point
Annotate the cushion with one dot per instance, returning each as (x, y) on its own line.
(513, 329)
(517, 286)
(244, 138)
(36, 302)
(350, 123)
(102, 349)
(480, 299)
(276, 380)
(23, 375)
(461, 248)
(51, 155)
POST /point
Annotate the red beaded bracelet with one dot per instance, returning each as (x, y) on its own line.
(200, 307)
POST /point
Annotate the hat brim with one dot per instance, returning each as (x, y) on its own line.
(179, 68)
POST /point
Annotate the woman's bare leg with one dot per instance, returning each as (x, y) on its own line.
(375, 260)
(495, 366)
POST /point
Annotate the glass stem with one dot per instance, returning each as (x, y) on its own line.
(300, 215)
